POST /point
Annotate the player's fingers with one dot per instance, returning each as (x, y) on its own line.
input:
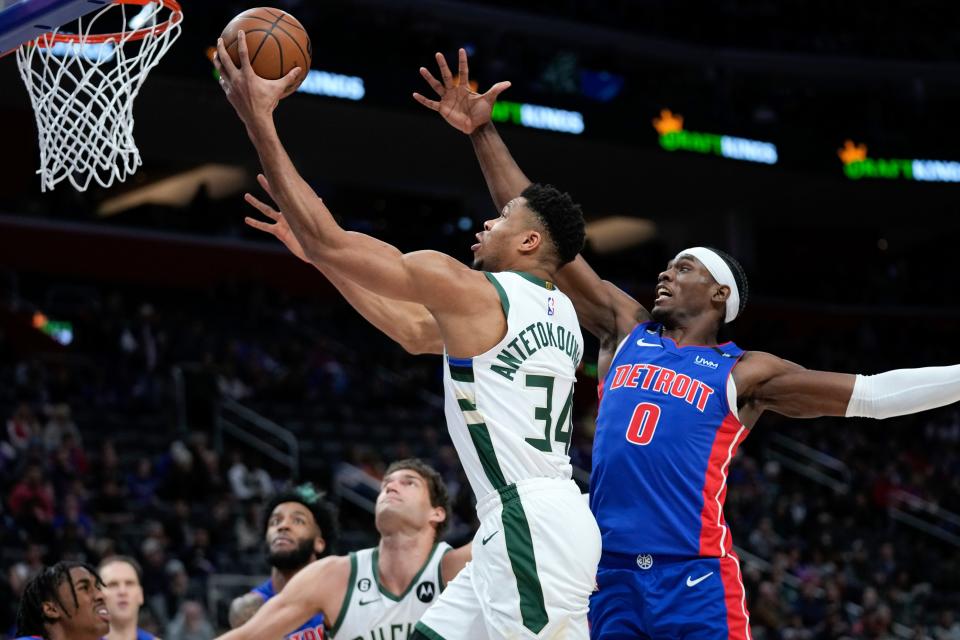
(259, 225)
(265, 185)
(290, 78)
(463, 70)
(242, 50)
(262, 207)
(444, 71)
(497, 89)
(429, 104)
(433, 82)
(227, 68)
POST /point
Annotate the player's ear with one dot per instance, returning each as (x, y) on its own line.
(530, 241)
(721, 293)
(319, 544)
(437, 515)
(51, 611)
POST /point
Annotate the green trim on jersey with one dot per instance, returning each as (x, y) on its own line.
(540, 282)
(480, 435)
(504, 300)
(519, 542)
(374, 559)
(346, 599)
(460, 374)
(427, 631)
(440, 580)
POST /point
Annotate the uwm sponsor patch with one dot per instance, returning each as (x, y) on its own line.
(662, 380)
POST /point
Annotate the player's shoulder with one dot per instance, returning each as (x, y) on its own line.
(331, 571)
(757, 367)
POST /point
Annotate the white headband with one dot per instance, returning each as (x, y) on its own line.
(721, 272)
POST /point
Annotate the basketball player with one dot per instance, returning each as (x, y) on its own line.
(379, 592)
(124, 594)
(674, 406)
(298, 527)
(64, 602)
(511, 344)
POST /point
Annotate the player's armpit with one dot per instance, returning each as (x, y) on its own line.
(244, 608)
(603, 309)
(775, 384)
(455, 560)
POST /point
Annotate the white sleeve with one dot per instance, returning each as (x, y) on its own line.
(903, 391)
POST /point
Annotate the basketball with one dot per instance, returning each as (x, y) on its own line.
(276, 42)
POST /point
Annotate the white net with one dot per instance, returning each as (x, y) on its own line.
(82, 86)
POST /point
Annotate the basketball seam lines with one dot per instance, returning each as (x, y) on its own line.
(277, 25)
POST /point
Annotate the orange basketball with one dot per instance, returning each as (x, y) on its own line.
(276, 43)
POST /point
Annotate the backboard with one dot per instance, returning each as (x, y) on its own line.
(24, 20)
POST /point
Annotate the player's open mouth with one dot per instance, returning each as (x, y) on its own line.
(283, 541)
(102, 613)
(662, 294)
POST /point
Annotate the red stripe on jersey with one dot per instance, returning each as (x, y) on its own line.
(714, 537)
(735, 598)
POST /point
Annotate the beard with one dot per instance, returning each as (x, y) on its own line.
(295, 558)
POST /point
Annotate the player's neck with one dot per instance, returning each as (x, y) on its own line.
(59, 633)
(691, 331)
(281, 578)
(401, 556)
(122, 630)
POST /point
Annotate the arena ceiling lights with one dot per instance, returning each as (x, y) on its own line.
(673, 137)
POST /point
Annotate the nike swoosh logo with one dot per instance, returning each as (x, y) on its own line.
(693, 583)
(363, 602)
(487, 539)
(641, 343)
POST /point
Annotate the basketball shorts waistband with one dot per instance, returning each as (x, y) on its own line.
(527, 487)
(611, 560)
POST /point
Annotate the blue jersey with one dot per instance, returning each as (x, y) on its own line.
(312, 629)
(143, 635)
(665, 438)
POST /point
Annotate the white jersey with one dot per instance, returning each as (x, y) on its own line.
(509, 410)
(370, 612)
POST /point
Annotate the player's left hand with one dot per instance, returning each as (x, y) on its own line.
(280, 229)
(253, 97)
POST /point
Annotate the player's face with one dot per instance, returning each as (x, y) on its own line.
(684, 288)
(404, 501)
(90, 618)
(122, 591)
(502, 236)
(293, 536)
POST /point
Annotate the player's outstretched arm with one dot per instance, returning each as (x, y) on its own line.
(430, 278)
(604, 309)
(318, 588)
(455, 560)
(769, 382)
(409, 324)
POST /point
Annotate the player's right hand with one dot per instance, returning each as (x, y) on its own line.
(463, 108)
(280, 229)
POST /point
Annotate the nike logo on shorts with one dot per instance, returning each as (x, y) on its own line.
(692, 583)
(487, 539)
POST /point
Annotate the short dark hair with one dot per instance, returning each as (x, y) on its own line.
(323, 512)
(739, 277)
(125, 559)
(43, 587)
(561, 216)
(436, 487)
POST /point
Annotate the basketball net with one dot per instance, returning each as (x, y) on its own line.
(82, 86)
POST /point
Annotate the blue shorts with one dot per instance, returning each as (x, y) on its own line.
(654, 597)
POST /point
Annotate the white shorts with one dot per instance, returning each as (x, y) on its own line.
(534, 567)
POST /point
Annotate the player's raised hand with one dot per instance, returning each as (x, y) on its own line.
(463, 108)
(252, 96)
(279, 229)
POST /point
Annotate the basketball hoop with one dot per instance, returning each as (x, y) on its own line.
(82, 86)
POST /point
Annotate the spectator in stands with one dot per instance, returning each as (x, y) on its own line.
(247, 483)
(142, 486)
(59, 424)
(191, 623)
(23, 427)
(32, 494)
(27, 569)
